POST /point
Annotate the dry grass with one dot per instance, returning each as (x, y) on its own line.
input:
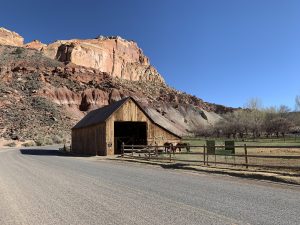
(267, 164)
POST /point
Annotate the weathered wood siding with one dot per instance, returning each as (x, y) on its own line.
(89, 140)
(131, 112)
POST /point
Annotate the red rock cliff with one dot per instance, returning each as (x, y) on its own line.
(113, 55)
(8, 37)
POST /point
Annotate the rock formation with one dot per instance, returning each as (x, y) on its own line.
(8, 37)
(35, 44)
(112, 55)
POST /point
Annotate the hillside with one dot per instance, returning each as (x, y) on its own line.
(44, 95)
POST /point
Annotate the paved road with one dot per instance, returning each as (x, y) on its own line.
(41, 187)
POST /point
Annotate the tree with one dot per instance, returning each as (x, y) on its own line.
(270, 115)
(254, 104)
(234, 124)
(281, 126)
(283, 110)
(297, 103)
(277, 121)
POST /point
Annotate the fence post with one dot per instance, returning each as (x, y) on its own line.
(204, 156)
(246, 155)
(156, 150)
(131, 150)
(207, 156)
(215, 159)
(122, 149)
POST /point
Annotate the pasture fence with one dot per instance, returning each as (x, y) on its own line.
(246, 156)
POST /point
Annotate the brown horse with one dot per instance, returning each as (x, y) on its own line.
(179, 146)
(169, 147)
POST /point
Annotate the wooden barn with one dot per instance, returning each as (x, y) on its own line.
(102, 131)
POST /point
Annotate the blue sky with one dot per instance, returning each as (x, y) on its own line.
(223, 51)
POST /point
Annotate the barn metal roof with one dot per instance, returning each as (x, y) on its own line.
(99, 115)
(102, 114)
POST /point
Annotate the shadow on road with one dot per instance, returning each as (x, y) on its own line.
(48, 152)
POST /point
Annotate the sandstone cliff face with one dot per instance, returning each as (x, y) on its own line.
(8, 37)
(113, 55)
(35, 44)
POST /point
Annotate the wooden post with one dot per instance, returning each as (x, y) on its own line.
(132, 150)
(149, 150)
(215, 159)
(234, 160)
(246, 155)
(204, 156)
(207, 157)
(122, 149)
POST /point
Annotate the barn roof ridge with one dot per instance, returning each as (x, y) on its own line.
(102, 114)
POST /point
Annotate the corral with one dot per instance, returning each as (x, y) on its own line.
(102, 131)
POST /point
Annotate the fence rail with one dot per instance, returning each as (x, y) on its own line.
(198, 154)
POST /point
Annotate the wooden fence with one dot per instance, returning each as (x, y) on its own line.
(246, 156)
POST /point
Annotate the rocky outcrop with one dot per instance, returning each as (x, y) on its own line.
(112, 55)
(35, 44)
(8, 37)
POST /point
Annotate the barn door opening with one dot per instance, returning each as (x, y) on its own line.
(131, 133)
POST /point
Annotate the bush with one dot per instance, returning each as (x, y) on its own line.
(11, 144)
(43, 141)
(18, 51)
(39, 142)
(57, 139)
(28, 144)
(48, 141)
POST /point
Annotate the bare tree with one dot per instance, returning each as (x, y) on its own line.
(270, 115)
(281, 126)
(256, 121)
(297, 103)
(254, 104)
(283, 110)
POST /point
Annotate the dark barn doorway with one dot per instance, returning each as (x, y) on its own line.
(131, 133)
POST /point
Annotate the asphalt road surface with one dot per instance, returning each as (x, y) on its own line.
(42, 187)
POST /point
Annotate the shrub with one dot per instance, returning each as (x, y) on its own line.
(18, 51)
(48, 141)
(43, 141)
(39, 142)
(11, 144)
(28, 144)
(57, 139)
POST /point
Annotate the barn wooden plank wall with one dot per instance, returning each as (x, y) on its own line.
(89, 140)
